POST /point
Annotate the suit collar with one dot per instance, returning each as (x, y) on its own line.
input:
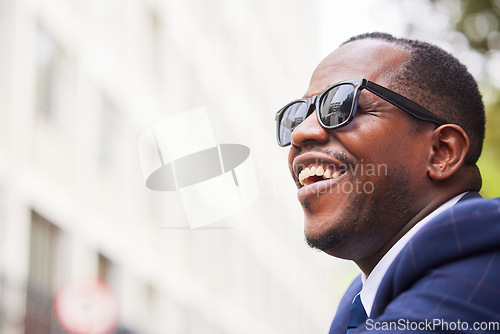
(470, 195)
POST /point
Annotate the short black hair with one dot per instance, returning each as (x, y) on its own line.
(440, 82)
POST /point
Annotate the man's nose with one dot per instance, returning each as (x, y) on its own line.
(309, 131)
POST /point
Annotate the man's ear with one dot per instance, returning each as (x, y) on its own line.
(450, 145)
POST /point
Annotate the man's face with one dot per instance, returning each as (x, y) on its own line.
(374, 163)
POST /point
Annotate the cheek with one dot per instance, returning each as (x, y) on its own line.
(382, 144)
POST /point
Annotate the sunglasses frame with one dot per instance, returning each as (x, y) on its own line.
(359, 84)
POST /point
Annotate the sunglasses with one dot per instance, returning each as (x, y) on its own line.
(336, 106)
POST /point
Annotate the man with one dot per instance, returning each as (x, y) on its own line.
(383, 149)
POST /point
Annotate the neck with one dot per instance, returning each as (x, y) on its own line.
(367, 264)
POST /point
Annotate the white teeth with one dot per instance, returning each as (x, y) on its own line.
(303, 175)
(317, 171)
(327, 174)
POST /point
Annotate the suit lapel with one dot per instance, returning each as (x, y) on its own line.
(339, 323)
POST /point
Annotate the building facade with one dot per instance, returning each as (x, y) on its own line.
(79, 81)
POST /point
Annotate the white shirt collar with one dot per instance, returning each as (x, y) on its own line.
(372, 282)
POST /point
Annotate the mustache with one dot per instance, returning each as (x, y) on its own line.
(340, 156)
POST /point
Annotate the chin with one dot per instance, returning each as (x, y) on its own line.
(325, 235)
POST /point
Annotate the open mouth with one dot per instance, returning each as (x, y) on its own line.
(316, 173)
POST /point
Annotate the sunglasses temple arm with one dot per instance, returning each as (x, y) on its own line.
(404, 103)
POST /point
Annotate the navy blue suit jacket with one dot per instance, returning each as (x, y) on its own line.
(449, 271)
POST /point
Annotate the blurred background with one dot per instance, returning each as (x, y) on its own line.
(80, 80)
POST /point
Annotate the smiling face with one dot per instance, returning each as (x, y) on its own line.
(361, 184)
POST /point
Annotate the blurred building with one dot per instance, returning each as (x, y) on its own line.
(79, 81)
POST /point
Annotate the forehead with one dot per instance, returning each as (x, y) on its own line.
(372, 59)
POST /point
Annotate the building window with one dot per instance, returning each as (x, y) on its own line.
(110, 134)
(6, 41)
(39, 316)
(56, 82)
(104, 268)
(156, 43)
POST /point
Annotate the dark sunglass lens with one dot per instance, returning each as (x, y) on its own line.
(336, 105)
(291, 117)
